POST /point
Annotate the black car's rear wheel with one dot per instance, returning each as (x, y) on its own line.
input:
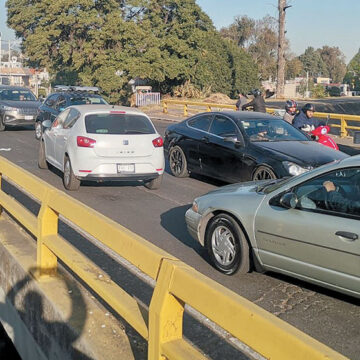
(263, 173)
(227, 245)
(178, 163)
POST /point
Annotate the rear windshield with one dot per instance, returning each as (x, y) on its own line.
(87, 99)
(118, 124)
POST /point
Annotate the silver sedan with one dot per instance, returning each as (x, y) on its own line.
(307, 227)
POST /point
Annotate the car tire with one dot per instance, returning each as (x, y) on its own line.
(2, 125)
(69, 179)
(178, 162)
(42, 163)
(154, 184)
(38, 130)
(223, 233)
(263, 173)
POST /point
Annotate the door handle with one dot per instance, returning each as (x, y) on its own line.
(347, 235)
(205, 139)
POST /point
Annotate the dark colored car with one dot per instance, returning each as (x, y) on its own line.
(18, 106)
(242, 146)
(64, 97)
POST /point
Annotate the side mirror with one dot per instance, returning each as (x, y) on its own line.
(233, 139)
(289, 200)
(47, 124)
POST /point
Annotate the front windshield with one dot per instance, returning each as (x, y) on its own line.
(271, 130)
(17, 95)
(87, 99)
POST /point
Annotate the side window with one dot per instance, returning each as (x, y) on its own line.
(337, 192)
(201, 122)
(61, 103)
(222, 126)
(71, 119)
(59, 121)
(50, 101)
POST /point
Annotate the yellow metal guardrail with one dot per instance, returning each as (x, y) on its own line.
(177, 284)
(344, 119)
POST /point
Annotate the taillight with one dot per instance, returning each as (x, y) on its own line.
(158, 142)
(83, 141)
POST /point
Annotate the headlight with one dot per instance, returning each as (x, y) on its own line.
(195, 207)
(294, 169)
(8, 108)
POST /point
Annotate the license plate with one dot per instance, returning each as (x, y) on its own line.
(28, 117)
(126, 168)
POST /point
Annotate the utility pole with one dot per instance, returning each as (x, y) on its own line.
(282, 6)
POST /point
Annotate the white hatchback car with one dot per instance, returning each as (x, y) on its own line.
(97, 143)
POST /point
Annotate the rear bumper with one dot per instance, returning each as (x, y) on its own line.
(118, 177)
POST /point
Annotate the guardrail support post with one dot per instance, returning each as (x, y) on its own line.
(47, 225)
(208, 108)
(1, 208)
(185, 110)
(343, 130)
(165, 107)
(165, 313)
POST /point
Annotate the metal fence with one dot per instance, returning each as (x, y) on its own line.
(150, 98)
(177, 284)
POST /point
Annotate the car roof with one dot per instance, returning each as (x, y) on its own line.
(75, 93)
(239, 116)
(351, 161)
(93, 109)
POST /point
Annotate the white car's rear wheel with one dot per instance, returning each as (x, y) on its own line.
(42, 163)
(154, 184)
(70, 181)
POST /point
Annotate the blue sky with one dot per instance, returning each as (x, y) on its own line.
(308, 23)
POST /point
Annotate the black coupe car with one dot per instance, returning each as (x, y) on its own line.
(242, 146)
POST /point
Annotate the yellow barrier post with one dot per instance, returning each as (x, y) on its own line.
(208, 108)
(185, 109)
(1, 208)
(165, 107)
(343, 130)
(47, 225)
(165, 313)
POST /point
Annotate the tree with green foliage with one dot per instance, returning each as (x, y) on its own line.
(334, 61)
(313, 63)
(352, 76)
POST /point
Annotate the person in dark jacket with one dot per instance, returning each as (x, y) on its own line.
(242, 101)
(258, 103)
(339, 202)
(304, 119)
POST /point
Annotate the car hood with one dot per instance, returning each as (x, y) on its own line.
(238, 188)
(21, 104)
(303, 152)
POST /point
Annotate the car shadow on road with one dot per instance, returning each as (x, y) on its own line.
(173, 221)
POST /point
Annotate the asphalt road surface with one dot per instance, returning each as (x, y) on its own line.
(158, 216)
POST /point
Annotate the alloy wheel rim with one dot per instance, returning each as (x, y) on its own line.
(263, 175)
(176, 162)
(38, 130)
(223, 245)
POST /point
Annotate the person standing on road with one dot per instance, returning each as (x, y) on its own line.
(258, 103)
(290, 111)
(242, 101)
(304, 119)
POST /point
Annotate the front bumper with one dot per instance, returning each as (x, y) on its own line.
(193, 221)
(14, 118)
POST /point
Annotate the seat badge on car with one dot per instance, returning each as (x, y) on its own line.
(125, 142)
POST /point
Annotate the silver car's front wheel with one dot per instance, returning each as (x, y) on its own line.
(227, 245)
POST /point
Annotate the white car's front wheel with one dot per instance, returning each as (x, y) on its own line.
(69, 179)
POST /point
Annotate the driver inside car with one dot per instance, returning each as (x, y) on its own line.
(338, 202)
